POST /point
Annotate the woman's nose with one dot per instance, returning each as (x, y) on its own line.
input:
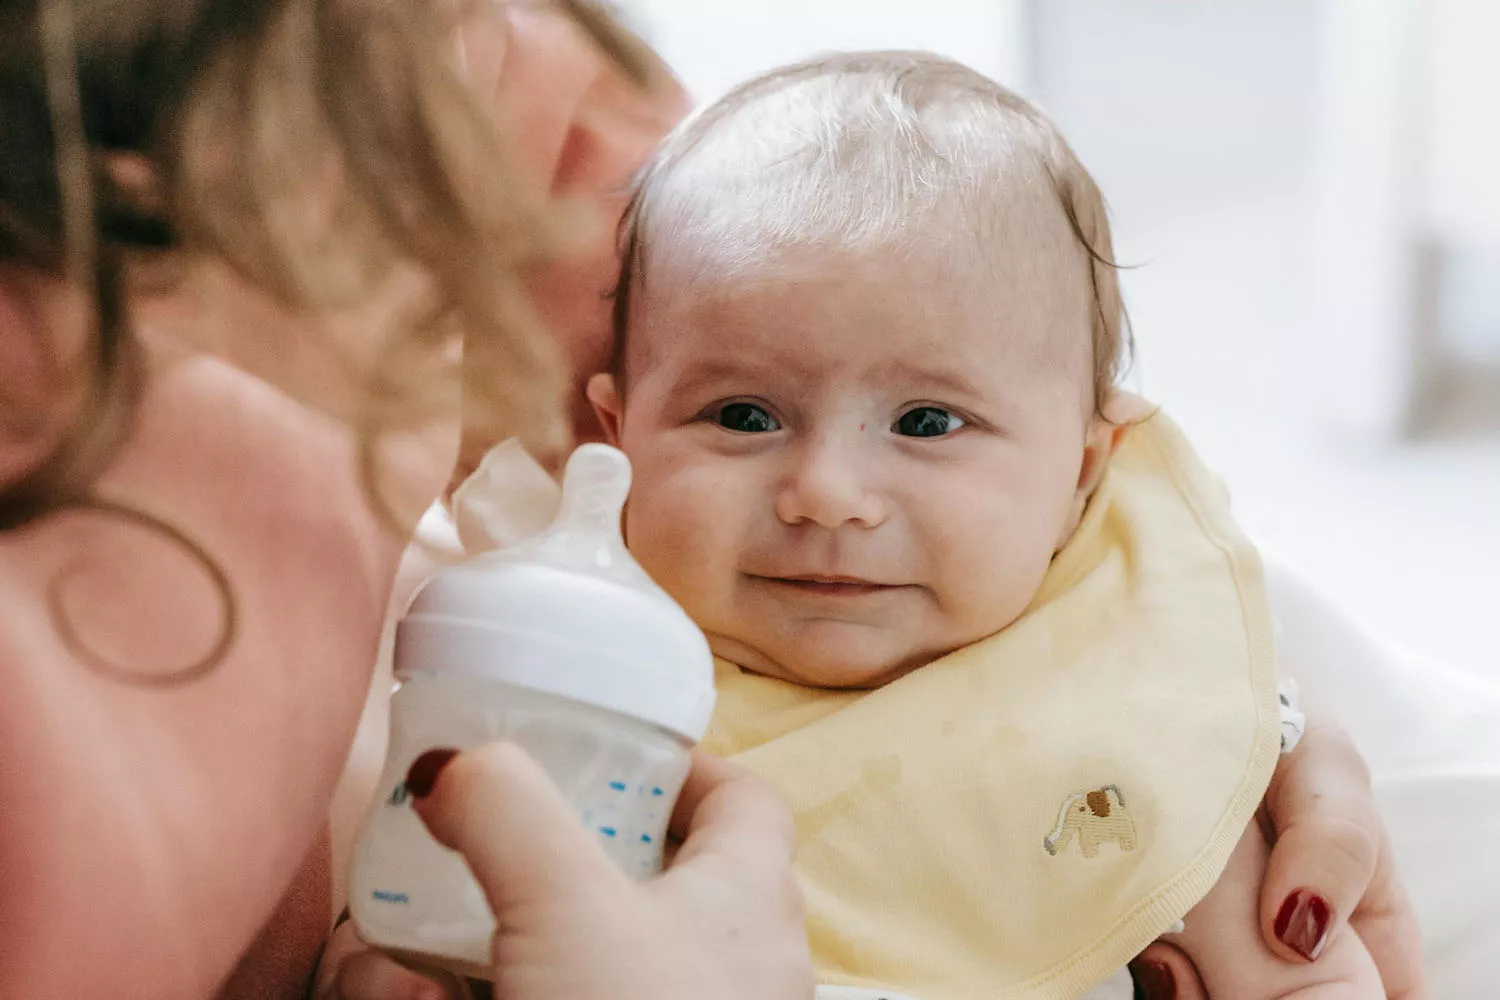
(831, 486)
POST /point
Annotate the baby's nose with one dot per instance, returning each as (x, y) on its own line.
(831, 488)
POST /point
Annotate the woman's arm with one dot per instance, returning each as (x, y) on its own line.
(150, 831)
(279, 965)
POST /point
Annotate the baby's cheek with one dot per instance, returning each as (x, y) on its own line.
(992, 564)
(672, 529)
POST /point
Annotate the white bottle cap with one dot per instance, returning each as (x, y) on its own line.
(568, 612)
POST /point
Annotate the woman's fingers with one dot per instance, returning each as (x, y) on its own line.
(1326, 842)
(1330, 863)
(571, 923)
(1387, 923)
(726, 810)
(523, 841)
(1163, 972)
(371, 975)
(351, 970)
(738, 835)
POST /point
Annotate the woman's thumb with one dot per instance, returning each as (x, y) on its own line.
(495, 806)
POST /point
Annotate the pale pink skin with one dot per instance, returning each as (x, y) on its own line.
(833, 551)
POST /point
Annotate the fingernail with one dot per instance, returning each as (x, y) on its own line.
(1154, 981)
(424, 771)
(1302, 924)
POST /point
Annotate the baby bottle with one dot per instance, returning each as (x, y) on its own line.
(562, 645)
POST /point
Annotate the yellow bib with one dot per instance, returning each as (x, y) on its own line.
(1023, 816)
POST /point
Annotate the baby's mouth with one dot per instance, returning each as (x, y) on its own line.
(827, 585)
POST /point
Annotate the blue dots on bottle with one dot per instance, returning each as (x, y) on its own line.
(645, 838)
(656, 791)
(608, 831)
(618, 786)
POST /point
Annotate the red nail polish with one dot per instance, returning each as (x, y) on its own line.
(424, 771)
(1302, 924)
(1154, 981)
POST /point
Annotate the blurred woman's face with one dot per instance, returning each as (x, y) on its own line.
(575, 125)
(583, 130)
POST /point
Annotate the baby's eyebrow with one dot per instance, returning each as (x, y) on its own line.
(949, 379)
(700, 374)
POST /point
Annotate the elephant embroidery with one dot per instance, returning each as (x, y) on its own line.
(1095, 817)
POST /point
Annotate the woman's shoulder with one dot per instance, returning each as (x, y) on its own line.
(154, 810)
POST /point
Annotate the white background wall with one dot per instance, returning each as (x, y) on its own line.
(1461, 187)
(1197, 119)
(716, 43)
(1462, 131)
(1272, 165)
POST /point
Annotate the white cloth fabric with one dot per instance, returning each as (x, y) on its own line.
(1431, 735)
(1293, 722)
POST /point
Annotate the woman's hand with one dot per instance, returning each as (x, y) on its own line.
(1330, 868)
(725, 920)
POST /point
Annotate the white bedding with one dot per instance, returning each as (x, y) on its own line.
(1431, 735)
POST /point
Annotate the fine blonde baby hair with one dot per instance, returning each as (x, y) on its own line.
(863, 150)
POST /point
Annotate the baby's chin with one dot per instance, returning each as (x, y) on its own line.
(828, 655)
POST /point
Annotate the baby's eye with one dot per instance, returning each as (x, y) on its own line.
(746, 418)
(927, 422)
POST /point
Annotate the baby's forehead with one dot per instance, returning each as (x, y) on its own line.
(871, 309)
(762, 231)
(1017, 265)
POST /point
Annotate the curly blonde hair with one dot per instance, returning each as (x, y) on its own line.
(234, 116)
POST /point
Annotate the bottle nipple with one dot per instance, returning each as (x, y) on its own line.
(595, 485)
(585, 536)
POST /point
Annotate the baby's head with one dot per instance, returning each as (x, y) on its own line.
(867, 330)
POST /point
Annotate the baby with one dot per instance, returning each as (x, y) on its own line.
(1007, 658)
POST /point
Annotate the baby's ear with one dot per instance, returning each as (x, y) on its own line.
(1099, 444)
(1113, 419)
(604, 394)
(1106, 430)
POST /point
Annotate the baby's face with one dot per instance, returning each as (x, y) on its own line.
(848, 465)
